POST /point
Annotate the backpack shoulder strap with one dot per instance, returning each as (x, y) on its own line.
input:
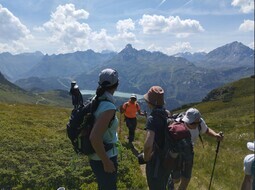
(125, 105)
(113, 117)
(200, 137)
(137, 107)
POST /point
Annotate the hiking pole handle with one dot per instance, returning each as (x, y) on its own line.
(218, 145)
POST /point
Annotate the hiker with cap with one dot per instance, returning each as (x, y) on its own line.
(73, 83)
(156, 174)
(77, 99)
(249, 169)
(130, 109)
(104, 163)
(193, 121)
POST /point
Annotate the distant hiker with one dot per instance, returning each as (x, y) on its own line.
(104, 164)
(156, 174)
(73, 83)
(130, 109)
(249, 169)
(192, 119)
(77, 99)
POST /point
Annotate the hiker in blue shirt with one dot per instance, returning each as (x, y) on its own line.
(104, 163)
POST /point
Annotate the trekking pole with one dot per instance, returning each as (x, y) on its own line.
(120, 124)
(217, 150)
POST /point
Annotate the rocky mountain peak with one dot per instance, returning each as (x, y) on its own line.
(232, 49)
(128, 50)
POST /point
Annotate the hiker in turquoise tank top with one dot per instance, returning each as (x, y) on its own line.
(104, 164)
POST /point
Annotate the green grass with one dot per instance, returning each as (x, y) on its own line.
(15, 95)
(36, 153)
(236, 119)
(55, 98)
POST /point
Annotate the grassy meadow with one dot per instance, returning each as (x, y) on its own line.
(36, 153)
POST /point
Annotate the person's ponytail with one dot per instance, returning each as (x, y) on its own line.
(100, 91)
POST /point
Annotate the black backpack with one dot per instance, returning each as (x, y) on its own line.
(80, 126)
(178, 146)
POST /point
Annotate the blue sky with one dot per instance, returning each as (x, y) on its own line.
(169, 26)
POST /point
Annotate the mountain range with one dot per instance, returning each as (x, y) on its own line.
(185, 77)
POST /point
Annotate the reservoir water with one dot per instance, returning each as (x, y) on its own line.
(117, 94)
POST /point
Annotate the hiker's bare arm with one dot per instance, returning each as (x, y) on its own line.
(148, 145)
(96, 138)
(212, 133)
(142, 113)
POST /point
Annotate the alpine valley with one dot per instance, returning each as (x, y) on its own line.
(185, 77)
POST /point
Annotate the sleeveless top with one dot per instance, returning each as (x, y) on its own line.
(110, 135)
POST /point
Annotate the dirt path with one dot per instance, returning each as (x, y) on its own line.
(42, 99)
(143, 169)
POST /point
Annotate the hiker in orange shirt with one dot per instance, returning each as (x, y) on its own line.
(130, 108)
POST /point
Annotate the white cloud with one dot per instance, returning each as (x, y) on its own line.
(14, 47)
(124, 35)
(247, 26)
(64, 23)
(176, 48)
(101, 41)
(251, 45)
(246, 6)
(159, 24)
(64, 28)
(13, 33)
(11, 29)
(125, 25)
(182, 35)
(67, 30)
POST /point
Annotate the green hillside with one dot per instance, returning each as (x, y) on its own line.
(36, 153)
(10, 93)
(13, 94)
(55, 98)
(233, 114)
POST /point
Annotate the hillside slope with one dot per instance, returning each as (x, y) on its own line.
(36, 154)
(10, 93)
(13, 94)
(229, 109)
